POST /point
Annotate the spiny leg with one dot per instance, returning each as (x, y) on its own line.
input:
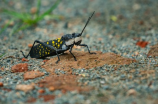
(30, 50)
(71, 52)
(87, 48)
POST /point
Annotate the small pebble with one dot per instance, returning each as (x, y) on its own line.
(33, 10)
(51, 88)
(131, 92)
(30, 45)
(1, 84)
(21, 67)
(24, 59)
(41, 91)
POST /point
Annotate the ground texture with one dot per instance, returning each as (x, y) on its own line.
(124, 69)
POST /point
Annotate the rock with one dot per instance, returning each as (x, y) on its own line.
(24, 87)
(83, 75)
(142, 44)
(32, 74)
(22, 67)
(41, 91)
(141, 22)
(1, 84)
(33, 10)
(51, 88)
(30, 45)
(24, 59)
(45, 61)
(136, 53)
(131, 92)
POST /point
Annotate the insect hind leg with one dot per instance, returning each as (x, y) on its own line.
(46, 45)
(30, 50)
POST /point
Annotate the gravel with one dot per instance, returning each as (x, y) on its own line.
(111, 83)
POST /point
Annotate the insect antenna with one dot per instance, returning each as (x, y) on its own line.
(87, 23)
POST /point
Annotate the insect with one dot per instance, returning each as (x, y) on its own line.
(58, 46)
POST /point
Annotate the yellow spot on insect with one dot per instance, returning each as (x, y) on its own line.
(58, 40)
(47, 42)
(113, 18)
(61, 42)
(53, 42)
(58, 45)
(48, 53)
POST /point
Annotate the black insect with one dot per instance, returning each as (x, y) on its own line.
(57, 46)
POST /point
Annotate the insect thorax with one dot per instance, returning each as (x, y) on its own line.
(72, 39)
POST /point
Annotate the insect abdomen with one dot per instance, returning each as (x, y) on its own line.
(41, 51)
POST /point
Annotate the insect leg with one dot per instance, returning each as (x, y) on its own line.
(87, 48)
(71, 52)
(29, 52)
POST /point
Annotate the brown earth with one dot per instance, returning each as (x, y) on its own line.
(32, 74)
(24, 59)
(85, 60)
(63, 83)
(47, 97)
(25, 88)
(21, 67)
(153, 52)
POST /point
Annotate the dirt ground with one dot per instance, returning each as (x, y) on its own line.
(123, 34)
